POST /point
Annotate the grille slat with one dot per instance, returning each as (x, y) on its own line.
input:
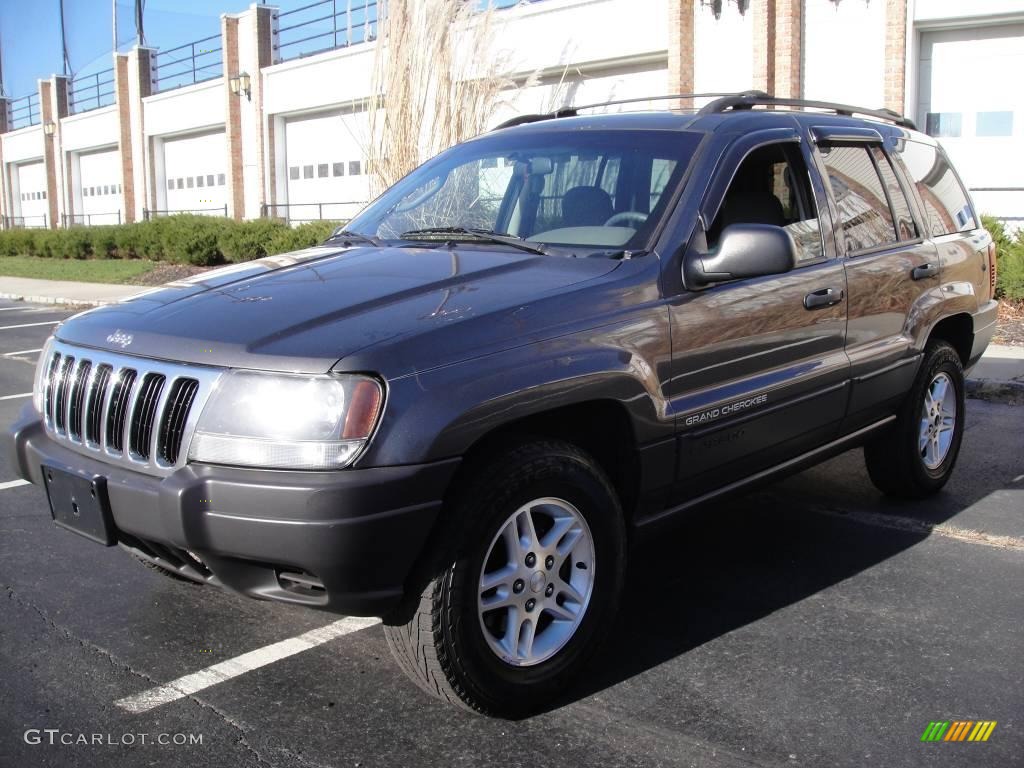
(77, 399)
(123, 409)
(172, 426)
(61, 405)
(94, 405)
(141, 428)
(119, 409)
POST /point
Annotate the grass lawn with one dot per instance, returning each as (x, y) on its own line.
(84, 270)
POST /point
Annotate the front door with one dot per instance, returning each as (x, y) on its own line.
(759, 371)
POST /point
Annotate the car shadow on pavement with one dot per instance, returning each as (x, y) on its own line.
(732, 563)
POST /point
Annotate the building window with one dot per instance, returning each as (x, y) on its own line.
(321, 171)
(293, 173)
(307, 171)
(943, 124)
(199, 181)
(170, 183)
(354, 168)
(338, 169)
(189, 182)
(491, 162)
(44, 194)
(994, 124)
(181, 183)
(220, 180)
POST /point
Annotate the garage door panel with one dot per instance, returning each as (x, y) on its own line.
(195, 170)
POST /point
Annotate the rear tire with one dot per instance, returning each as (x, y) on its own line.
(915, 457)
(525, 588)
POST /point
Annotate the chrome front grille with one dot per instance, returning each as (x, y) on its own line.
(125, 410)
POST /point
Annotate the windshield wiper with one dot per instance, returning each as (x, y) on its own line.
(347, 236)
(478, 233)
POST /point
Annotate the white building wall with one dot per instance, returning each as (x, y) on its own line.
(844, 51)
(723, 50)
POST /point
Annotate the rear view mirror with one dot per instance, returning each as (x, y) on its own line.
(743, 250)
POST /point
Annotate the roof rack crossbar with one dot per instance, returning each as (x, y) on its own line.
(751, 99)
(572, 110)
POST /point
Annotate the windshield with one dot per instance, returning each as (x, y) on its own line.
(593, 190)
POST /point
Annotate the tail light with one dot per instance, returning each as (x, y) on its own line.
(992, 270)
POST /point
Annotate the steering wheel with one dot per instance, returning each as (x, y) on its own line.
(624, 216)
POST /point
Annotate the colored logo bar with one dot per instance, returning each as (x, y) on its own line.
(958, 730)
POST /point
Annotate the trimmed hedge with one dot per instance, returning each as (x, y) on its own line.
(181, 239)
(1009, 258)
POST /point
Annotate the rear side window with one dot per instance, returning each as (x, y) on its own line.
(905, 227)
(945, 202)
(864, 215)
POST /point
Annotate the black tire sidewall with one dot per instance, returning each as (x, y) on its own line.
(502, 685)
(942, 360)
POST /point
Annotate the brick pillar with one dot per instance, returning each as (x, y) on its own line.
(895, 54)
(5, 114)
(680, 46)
(53, 107)
(764, 45)
(788, 48)
(5, 124)
(233, 118)
(133, 81)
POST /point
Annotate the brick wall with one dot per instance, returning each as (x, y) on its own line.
(680, 46)
(895, 54)
(233, 125)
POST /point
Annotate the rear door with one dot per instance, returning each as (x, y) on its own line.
(892, 271)
(759, 374)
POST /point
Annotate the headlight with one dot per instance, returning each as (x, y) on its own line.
(287, 422)
(42, 371)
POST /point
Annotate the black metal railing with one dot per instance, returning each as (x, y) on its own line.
(88, 92)
(189, 64)
(25, 222)
(89, 219)
(300, 213)
(25, 111)
(324, 26)
(148, 214)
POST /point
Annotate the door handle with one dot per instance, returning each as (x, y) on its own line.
(825, 297)
(925, 270)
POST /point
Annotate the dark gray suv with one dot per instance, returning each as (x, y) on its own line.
(457, 411)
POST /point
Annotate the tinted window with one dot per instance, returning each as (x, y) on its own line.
(905, 226)
(943, 124)
(864, 215)
(994, 124)
(945, 202)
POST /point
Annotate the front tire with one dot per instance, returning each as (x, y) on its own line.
(528, 584)
(915, 458)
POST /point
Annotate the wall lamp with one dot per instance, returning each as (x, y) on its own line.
(241, 83)
(49, 128)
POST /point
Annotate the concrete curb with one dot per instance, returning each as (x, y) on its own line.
(56, 300)
(1008, 392)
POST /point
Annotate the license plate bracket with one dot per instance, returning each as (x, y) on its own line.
(80, 504)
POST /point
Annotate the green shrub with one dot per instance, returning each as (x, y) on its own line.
(249, 239)
(1009, 260)
(183, 239)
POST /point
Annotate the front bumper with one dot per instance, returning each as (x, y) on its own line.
(344, 541)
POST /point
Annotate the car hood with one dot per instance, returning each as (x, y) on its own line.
(307, 310)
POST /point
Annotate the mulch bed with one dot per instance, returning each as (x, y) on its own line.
(1010, 326)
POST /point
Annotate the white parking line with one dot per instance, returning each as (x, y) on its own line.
(28, 325)
(225, 670)
(13, 484)
(22, 352)
(15, 397)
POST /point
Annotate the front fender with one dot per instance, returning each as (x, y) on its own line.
(442, 412)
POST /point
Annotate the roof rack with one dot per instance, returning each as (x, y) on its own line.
(572, 111)
(750, 99)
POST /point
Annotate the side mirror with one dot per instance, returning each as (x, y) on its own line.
(744, 250)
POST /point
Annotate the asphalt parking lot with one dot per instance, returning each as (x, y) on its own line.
(811, 624)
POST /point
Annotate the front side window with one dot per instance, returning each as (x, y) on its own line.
(865, 218)
(589, 189)
(772, 186)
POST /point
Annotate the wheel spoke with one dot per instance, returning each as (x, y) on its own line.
(559, 612)
(527, 532)
(498, 578)
(527, 631)
(500, 599)
(571, 592)
(568, 542)
(561, 526)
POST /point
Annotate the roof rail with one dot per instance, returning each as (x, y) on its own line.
(572, 111)
(750, 99)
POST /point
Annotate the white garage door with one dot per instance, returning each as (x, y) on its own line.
(968, 100)
(30, 200)
(326, 166)
(100, 196)
(194, 170)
